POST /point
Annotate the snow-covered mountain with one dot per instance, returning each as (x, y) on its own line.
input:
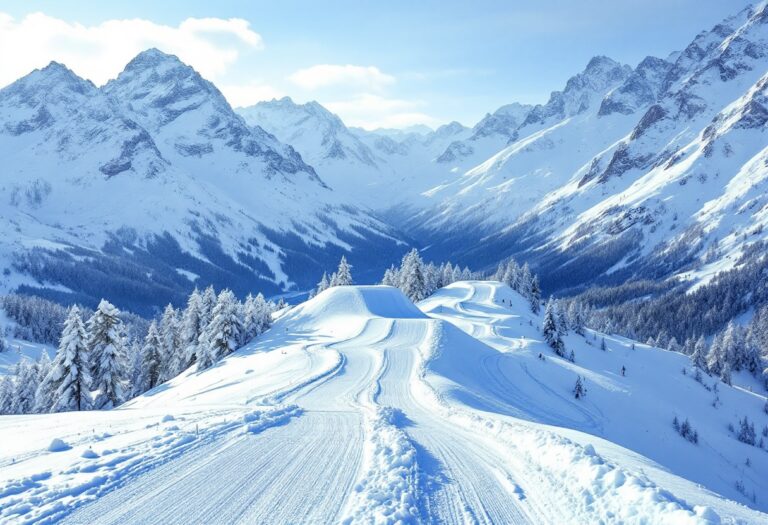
(379, 169)
(654, 170)
(155, 179)
(358, 406)
(657, 169)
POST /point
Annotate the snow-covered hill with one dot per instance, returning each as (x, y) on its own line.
(356, 406)
(142, 188)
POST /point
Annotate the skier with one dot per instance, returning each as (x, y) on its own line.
(623, 370)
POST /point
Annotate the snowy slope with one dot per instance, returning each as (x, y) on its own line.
(157, 172)
(359, 407)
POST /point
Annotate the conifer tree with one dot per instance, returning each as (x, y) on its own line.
(222, 333)
(6, 394)
(579, 390)
(534, 293)
(105, 345)
(26, 387)
(69, 379)
(550, 331)
(151, 360)
(170, 349)
(44, 394)
(343, 273)
(412, 276)
(323, 285)
(103, 329)
(698, 358)
(390, 277)
(192, 325)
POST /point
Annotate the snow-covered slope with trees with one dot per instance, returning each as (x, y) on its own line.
(357, 406)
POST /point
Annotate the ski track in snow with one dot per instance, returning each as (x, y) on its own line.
(396, 417)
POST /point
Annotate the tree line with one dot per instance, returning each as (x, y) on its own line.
(99, 366)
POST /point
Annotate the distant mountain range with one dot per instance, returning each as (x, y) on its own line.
(152, 183)
(649, 171)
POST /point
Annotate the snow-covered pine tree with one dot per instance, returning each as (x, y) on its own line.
(151, 359)
(431, 279)
(550, 331)
(534, 294)
(6, 394)
(135, 368)
(499, 274)
(716, 356)
(526, 281)
(263, 313)
(323, 285)
(576, 317)
(207, 303)
(69, 378)
(448, 274)
(511, 275)
(44, 394)
(170, 348)
(698, 357)
(222, 333)
(725, 373)
(412, 276)
(26, 387)
(562, 320)
(344, 273)
(105, 346)
(102, 329)
(733, 346)
(192, 325)
(390, 277)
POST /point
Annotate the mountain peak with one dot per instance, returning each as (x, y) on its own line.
(601, 62)
(151, 58)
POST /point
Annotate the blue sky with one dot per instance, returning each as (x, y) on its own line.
(375, 63)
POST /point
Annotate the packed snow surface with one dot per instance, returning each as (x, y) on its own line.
(360, 407)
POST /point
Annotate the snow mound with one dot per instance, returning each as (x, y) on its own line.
(58, 445)
(356, 301)
(259, 420)
(387, 492)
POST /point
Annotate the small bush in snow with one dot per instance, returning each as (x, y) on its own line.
(746, 432)
(686, 430)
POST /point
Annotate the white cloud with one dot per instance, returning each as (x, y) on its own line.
(324, 75)
(373, 111)
(249, 94)
(99, 52)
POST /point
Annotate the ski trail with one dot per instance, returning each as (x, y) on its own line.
(280, 476)
(317, 455)
(460, 479)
